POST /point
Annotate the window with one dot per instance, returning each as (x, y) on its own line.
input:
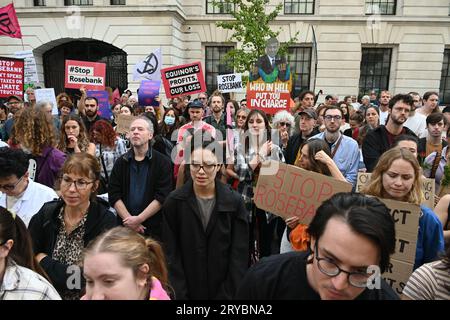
(298, 6)
(384, 7)
(300, 62)
(211, 8)
(39, 3)
(444, 91)
(375, 70)
(78, 2)
(118, 2)
(214, 65)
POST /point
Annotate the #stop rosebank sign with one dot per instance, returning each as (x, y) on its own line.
(90, 75)
(182, 80)
(11, 77)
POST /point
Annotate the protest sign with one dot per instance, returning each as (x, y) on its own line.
(91, 75)
(30, 70)
(268, 97)
(149, 68)
(11, 77)
(124, 122)
(147, 93)
(104, 108)
(182, 80)
(288, 191)
(406, 217)
(230, 83)
(47, 94)
(428, 187)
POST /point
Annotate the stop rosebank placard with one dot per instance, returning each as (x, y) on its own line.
(183, 79)
(91, 75)
(267, 98)
(11, 77)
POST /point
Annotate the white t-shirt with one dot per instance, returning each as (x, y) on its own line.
(418, 124)
(383, 117)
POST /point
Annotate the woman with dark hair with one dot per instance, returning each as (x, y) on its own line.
(397, 176)
(108, 148)
(372, 117)
(21, 278)
(234, 107)
(315, 156)
(356, 122)
(345, 123)
(169, 124)
(254, 148)
(62, 228)
(115, 110)
(74, 137)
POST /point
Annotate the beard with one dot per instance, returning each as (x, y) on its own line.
(91, 113)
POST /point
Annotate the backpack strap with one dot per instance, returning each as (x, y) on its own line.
(436, 161)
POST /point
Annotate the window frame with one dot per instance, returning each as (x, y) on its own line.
(445, 77)
(292, 64)
(365, 65)
(379, 2)
(209, 3)
(211, 87)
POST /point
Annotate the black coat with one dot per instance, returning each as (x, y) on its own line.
(205, 264)
(375, 144)
(159, 185)
(294, 144)
(44, 227)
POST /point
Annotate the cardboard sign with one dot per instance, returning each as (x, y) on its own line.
(230, 83)
(428, 187)
(104, 109)
(11, 77)
(288, 191)
(124, 122)
(91, 75)
(31, 74)
(268, 97)
(184, 79)
(47, 94)
(406, 217)
(147, 93)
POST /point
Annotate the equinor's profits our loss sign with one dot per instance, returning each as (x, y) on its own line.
(182, 80)
(90, 75)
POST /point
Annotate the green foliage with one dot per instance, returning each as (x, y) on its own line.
(250, 26)
(446, 177)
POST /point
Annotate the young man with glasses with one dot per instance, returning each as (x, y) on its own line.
(351, 239)
(18, 193)
(344, 150)
(205, 229)
(380, 139)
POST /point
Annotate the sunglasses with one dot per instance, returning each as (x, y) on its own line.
(241, 117)
(282, 124)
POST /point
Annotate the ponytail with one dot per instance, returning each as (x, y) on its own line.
(157, 262)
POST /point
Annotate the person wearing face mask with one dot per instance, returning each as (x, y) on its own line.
(169, 124)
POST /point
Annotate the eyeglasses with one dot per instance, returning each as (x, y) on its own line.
(282, 124)
(329, 118)
(207, 168)
(66, 182)
(331, 269)
(241, 117)
(11, 187)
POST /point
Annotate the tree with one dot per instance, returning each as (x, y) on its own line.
(251, 27)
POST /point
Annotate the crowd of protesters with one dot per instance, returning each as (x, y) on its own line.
(166, 211)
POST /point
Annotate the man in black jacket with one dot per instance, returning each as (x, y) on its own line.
(381, 139)
(140, 181)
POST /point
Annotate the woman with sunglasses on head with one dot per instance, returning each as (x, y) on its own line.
(205, 229)
(62, 228)
(397, 177)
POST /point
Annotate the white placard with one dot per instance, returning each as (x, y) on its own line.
(230, 82)
(30, 74)
(47, 94)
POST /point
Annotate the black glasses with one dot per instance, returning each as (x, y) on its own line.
(11, 187)
(241, 117)
(331, 269)
(66, 182)
(207, 168)
(282, 124)
(329, 118)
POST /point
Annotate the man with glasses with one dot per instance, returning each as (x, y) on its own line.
(416, 121)
(18, 193)
(140, 181)
(380, 139)
(14, 103)
(344, 150)
(351, 239)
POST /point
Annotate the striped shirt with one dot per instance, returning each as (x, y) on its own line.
(429, 282)
(20, 283)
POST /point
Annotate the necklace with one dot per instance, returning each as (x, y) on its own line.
(72, 224)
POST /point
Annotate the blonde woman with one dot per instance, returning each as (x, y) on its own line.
(397, 176)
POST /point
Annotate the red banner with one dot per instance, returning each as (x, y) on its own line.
(11, 77)
(265, 97)
(182, 80)
(9, 24)
(90, 75)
